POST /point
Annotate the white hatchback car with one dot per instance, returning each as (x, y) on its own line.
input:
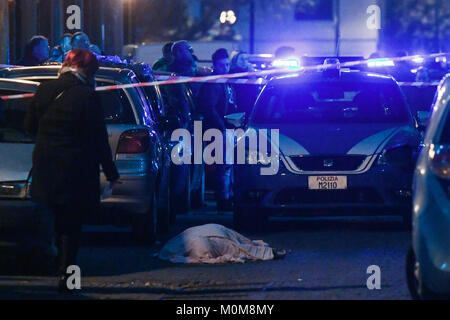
(428, 261)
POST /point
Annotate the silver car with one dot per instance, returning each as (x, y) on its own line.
(142, 200)
(428, 261)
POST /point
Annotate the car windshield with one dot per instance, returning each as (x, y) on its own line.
(12, 116)
(325, 102)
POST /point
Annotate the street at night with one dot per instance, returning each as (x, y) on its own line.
(326, 259)
(255, 151)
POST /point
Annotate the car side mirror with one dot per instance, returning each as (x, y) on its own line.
(236, 120)
(423, 117)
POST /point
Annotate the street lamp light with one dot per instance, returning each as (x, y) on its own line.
(228, 17)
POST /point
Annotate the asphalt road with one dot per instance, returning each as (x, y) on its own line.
(326, 259)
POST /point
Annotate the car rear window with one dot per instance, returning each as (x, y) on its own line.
(331, 102)
(12, 117)
(116, 106)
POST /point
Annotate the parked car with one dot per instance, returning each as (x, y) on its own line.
(24, 226)
(428, 261)
(191, 189)
(142, 200)
(347, 144)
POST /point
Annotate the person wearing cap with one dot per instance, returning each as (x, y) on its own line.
(215, 101)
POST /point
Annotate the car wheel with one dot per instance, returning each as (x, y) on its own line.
(416, 287)
(198, 195)
(249, 220)
(144, 226)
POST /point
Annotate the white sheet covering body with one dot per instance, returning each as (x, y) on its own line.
(214, 243)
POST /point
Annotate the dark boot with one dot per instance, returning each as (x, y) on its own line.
(64, 254)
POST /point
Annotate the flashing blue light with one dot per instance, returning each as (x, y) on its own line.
(418, 60)
(292, 63)
(377, 63)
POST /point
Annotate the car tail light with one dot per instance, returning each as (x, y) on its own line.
(440, 161)
(134, 141)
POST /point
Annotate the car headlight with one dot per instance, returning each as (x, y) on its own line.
(17, 189)
(382, 161)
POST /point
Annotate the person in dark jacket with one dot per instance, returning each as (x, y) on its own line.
(162, 64)
(37, 51)
(71, 143)
(215, 101)
(245, 94)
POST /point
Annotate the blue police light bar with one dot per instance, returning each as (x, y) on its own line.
(377, 63)
(418, 59)
(292, 63)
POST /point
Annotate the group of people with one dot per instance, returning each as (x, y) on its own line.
(213, 100)
(37, 49)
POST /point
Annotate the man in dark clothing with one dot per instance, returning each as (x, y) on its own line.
(71, 144)
(215, 101)
(162, 64)
(245, 95)
(37, 51)
(183, 59)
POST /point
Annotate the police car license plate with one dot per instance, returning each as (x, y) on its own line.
(327, 182)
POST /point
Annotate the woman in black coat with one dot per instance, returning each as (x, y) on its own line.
(71, 144)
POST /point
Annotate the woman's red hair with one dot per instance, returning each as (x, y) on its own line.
(82, 59)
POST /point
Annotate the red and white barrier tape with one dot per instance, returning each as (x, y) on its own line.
(419, 84)
(237, 77)
(17, 96)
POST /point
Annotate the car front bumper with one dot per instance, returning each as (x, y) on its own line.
(379, 191)
(25, 224)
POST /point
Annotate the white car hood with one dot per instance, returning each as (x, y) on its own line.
(15, 161)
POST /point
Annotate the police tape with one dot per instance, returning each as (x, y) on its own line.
(255, 77)
(419, 84)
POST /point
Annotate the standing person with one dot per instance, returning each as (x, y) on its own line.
(58, 53)
(245, 94)
(215, 101)
(71, 144)
(80, 40)
(162, 64)
(37, 51)
(183, 59)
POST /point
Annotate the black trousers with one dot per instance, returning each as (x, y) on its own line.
(68, 220)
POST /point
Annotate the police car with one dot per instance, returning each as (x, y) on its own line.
(347, 144)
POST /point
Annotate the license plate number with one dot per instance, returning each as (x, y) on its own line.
(327, 182)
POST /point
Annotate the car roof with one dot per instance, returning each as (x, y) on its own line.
(316, 76)
(118, 75)
(18, 85)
